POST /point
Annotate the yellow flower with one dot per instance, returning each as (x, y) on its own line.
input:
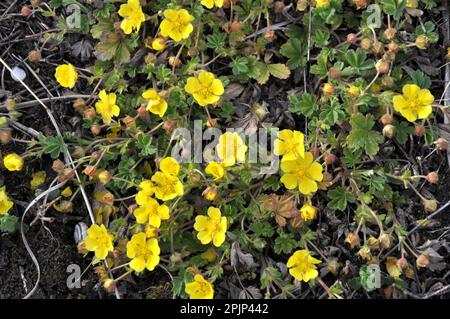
(302, 173)
(66, 75)
(67, 192)
(5, 203)
(176, 24)
(37, 179)
(211, 228)
(143, 252)
(107, 107)
(132, 12)
(13, 162)
(302, 266)
(167, 186)
(170, 166)
(414, 103)
(216, 169)
(322, 3)
(200, 288)
(151, 231)
(308, 212)
(231, 149)
(210, 193)
(205, 88)
(290, 144)
(353, 90)
(99, 240)
(151, 212)
(413, 4)
(156, 104)
(210, 3)
(159, 44)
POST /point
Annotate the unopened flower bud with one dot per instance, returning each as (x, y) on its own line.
(385, 241)
(402, 263)
(174, 61)
(419, 130)
(422, 261)
(10, 104)
(235, 26)
(393, 47)
(390, 33)
(382, 67)
(79, 105)
(328, 89)
(352, 239)
(386, 119)
(89, 114)
(430, 205)
(34, 56)
(269, 35)
(279, 6)
(389, 131)
(25, 11)
(96, 129)
(129, 121)
(360, 4)
(176, 258)
(169, 126)
(5, 136)
(352, 38)
(432, 177)
(150, 58)
(422, 42)
(90, 170)
(378, 48)
(441, 144)
(57, 166)
(329, 158)
(210, 193)
(334, 73)
(66, 174)
(104, 177)
(366, 44)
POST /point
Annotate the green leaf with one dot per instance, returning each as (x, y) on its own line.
(285, 243)
(295, 50)
(216, 40)
(303, 103)
(362, 136)
(53, 145)
(339, 198)
(332, 112)
(421, 79)
(239, 66)
(113, 46)
(144, 143)
(103, 25)
(9, 223)
(394, 8)
(278, 70)
(358, 61)
(403, 130)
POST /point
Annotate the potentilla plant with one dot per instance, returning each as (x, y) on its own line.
(327, 76)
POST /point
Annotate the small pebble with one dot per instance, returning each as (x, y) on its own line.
(18, 74)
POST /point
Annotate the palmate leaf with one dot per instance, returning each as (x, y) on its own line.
(339, 198)
(113, 46)
(303, 103)
(362, 136)
(295, 50)
(394, 8)
(278, 70)
(53, 145)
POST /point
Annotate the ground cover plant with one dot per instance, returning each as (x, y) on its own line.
(224, 149)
